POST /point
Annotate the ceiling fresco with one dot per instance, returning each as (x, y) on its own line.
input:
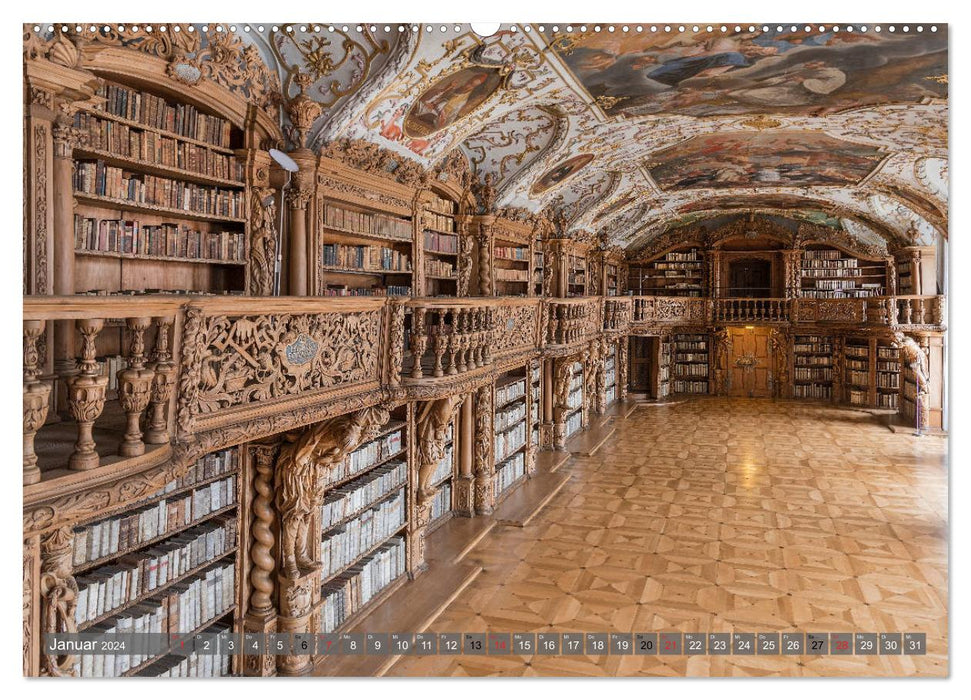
(791, 71)
(773, 158)
(624, 134)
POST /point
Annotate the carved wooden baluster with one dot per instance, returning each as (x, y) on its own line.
(418, 341)
(908, 310)
(462, 338)
(472, 339)
(477, 338)
(86, 396)
(921, 310)
(58, 597)
(134, 388)
(453, 343)
(157, 432)
(490, 335)
(440, 341)
(36, 396)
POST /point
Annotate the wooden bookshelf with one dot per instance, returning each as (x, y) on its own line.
(829, 273)
(535, 402)
(611, 279)
(439, 239)
(160, 196)
(443, 483)
(573, 419)
(905, 276)
(813, 367)
(538, 266)
(887, 375)
(512, 263)
(857, 369)
(157, 555)
(576, 275)
(362, 252)
(363, 525)
(610, 373)
(676, 273)
(689, 363)
(664, 367)
(511, 425)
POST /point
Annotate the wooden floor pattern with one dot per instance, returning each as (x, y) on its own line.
(720, 515)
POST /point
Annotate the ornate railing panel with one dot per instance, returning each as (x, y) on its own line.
(739, 310)
(618, 313)
(571, 321)
(670, 310)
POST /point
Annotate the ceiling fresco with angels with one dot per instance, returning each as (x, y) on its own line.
(623, 134)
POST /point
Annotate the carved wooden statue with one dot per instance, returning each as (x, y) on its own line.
(433, 422)
(780, 354)
(913, 355)
(300, 477)
(722, 368)
(58, 594)
(262, 242)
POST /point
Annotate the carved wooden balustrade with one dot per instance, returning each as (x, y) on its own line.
(651, 311)
(618, 314)
(456, 336)
(141, 393)
(739, 310)
(915, 310)
(572, 321)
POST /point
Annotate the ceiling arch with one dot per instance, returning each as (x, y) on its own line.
(620, 134)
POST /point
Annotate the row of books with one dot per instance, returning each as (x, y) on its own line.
(680, 386)
(852, 293)
(181, 609)
(888, 365)
(366, 457)
(194, 665)
(689, 345)
(343, 546)
(816, 374)
(825, 272)
(509, 441)
(813, 391)
(444, 467)
(813, 343)
(857, 364)
(351, 591)
(574, 399)
(364, 257)
(888, 353)
(856, 397)
(372, 487)
(153, 148)
(856, 350)
(506, 275)
(691, 370)
(887, 400)
(814, 360)
(152, 110)
(887, 380)
(509, 415)
(821, 254)
(109, 588)
(171, 240)
(509, 472)
(439, 268)
(574, 422)
(441, 243)
(691, 357)
(107, 181)
(126, 531)
(501, 252)
(366, 223)
(610, 377)
(205, 468)
(510, 392)
(390, 290)
(441, 502)
(441, 205)
(857, 378)
(611, 393)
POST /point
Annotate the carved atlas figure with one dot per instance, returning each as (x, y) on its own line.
(301, 474)
(433, 421)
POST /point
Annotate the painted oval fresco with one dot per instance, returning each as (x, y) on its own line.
(450, 99)
(561, 172)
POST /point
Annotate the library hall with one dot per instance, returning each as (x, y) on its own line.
(412, 350)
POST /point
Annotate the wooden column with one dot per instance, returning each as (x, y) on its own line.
(464, 499)
(261, 611)
(546, 419)
(298, 197)
(484, 495)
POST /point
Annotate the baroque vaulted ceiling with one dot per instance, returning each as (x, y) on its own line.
(628, 134)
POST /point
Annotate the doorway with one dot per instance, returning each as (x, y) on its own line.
(642, 354)
(751, 362)
(750, 278)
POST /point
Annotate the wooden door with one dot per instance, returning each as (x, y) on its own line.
(751, 362)
(750, 278)
(642, 364)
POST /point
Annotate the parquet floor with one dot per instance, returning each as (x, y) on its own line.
(720, 515)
